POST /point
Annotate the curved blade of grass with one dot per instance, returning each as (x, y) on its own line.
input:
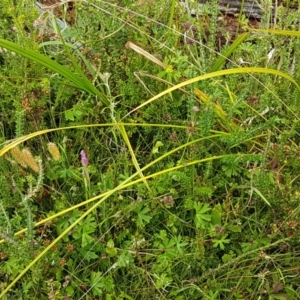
(222, 58)
(80, 82)
(277, 32)
(144, 74)
(216, 74)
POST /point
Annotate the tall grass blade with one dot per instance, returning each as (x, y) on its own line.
(278, 32)
(133, 157)
(222, 58)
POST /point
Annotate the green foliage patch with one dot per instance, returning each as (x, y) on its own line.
(146, 153)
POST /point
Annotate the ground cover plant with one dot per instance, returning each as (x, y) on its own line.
(147, 153)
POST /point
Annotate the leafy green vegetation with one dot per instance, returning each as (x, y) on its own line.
(148, 154)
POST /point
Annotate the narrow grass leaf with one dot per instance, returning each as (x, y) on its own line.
(278, 32)
(261, 196)
(27, 137)
(133, 157)
(80, 82)
(223, 56)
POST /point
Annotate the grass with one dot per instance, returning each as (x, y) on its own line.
(145, 158)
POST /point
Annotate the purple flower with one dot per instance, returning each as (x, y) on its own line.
(84, 159)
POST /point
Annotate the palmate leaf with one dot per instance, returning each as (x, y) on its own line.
(220, 242)
(142, 216)
(79, 81)
(202, 214)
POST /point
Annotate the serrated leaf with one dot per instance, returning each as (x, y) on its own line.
(111, 251)
(201, 216)
(95, 282)
(202, 209)
(226, 258)
(69, 115)
(143, 217)
(86, 239)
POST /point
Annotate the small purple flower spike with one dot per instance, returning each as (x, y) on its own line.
(84, 159)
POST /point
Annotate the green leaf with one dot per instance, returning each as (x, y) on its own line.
(163, 280)
(111, 251)
(179, 243)
(201, 214)
(226, 258)
(125, 259)
(88, 255)
(110, 248)
(234, 228)
(108, 283)
(86, 239)
(71, 114)
(70, 290)
(216, 215)
(142, 215)
(220, 242)
(71, 172)
(95, 282)
(261, 195)
(222, 58)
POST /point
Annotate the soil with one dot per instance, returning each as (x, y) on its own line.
(228, 23)
(49, 2)
(57, 7)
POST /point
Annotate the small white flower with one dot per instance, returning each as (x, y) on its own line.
(240, 61)
(270, 55)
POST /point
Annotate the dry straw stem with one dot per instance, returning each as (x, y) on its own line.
(146, 54)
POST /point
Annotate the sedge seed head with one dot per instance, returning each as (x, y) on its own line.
(54, 151)
(17, 155)
(29, 160)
